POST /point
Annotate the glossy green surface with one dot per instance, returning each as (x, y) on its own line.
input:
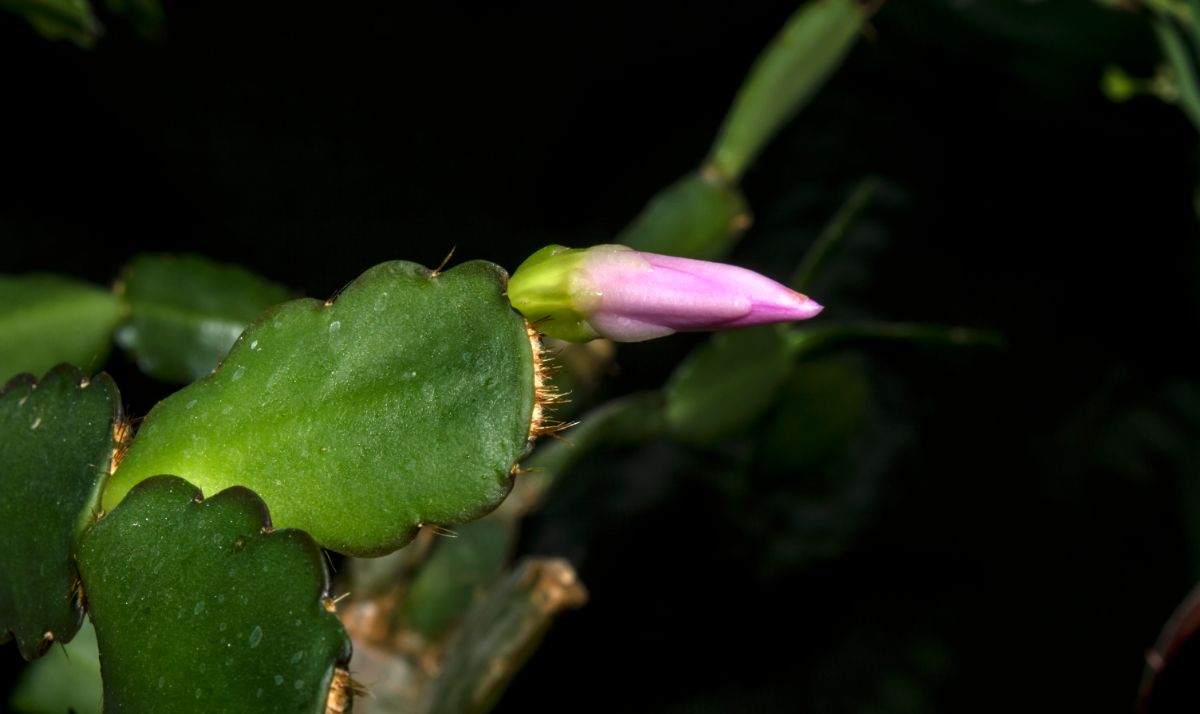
(47, 319)
(198, 610)
(406, 401)
(186, 312)
(56, 444)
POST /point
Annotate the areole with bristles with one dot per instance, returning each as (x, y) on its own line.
(546, 394)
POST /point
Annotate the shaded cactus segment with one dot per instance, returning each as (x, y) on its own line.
(726, 384)
(500, 633)
(57, 440)
(699, 216)
(786, 75)
(198, 606)
(405, 401)
(186, 312)
(70, 20)
(460, 570)
(817, 414)
(66, 679)
(49, 319)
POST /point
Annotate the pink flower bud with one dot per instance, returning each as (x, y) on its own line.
(625, 295)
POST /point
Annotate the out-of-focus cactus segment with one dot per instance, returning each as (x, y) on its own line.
(48, 319)
(460, 570)
(726, 384)
(500, 633)
(186, 312)
(66, 679)
(786, 75)
(699, 216)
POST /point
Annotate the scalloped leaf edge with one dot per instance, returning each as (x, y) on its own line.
(91, 513)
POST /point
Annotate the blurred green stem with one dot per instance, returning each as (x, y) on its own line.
(1190, 19)
(1173, 8)
(1182, 63)
(71, 20)
(786, 75)
(807, 340)
(635, 417)
(834, 232)
(501, 634)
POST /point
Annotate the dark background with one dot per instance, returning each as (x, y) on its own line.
(1014, 527)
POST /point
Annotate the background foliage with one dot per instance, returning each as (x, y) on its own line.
(1000, 528)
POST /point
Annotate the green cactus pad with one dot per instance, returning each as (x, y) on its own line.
(726, 384)
(406, 401)
(186, 312)
(816, 415)
(699, 216)
(48, 319)
(459, 571)
(198, 606)
(56, 445)
(785, 77)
